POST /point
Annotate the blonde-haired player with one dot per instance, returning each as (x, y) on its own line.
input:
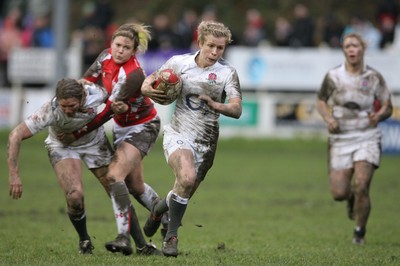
(352, 100)
(190, 140)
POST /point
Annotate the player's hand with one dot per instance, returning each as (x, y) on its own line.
(373, 119)
(84, 82)
(156, 95)
(66, 138)
(333, 126)
(207, 99)
(15, 187)
(119, 107)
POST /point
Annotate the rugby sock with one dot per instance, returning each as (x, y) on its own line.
(79, 222)
(359, 231)
(161, 207)
(177, 208)
(121, 204)
(148, 197)
(135, 230)
(168, 197)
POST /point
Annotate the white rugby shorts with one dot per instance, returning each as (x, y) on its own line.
(203, 154)
(347, 148)
(94, 156)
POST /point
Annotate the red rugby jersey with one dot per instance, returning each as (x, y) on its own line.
(113, 76)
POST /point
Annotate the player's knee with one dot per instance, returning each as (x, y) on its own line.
(339, 195)
(188, 182)
(361, 190)
(75, 200)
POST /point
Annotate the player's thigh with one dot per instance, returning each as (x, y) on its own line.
(363, 172)
(183, 165)
(340, 182)
(69, 175)
(101, 175)
(123, 162)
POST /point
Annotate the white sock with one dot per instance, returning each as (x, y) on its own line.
(148, 196)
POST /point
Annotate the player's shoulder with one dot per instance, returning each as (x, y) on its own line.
(337, 68)
(335, 72)
(105, 55)
(372, 70)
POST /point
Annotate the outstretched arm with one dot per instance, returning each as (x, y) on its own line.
(15, 138)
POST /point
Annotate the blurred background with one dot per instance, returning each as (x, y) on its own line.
(281, 49)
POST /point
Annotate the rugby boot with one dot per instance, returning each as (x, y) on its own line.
(121, 244)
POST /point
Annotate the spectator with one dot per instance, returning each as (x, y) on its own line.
(254, 32)
(209, 13)
(303, 28)
(97, 17)
(388, 12)
(366, 29)
(42, 35)
(10, 37)
(162, 35)
(332, 31)
(186, 27)
(283, 31)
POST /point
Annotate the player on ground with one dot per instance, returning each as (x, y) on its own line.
(190, 140)
(136, 127)
(352, 100)
(73, 106)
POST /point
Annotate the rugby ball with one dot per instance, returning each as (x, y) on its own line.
(168, 81)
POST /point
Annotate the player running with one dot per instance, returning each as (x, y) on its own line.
(358, 100)
(190, 140)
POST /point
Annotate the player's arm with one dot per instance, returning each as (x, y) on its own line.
(323, 107)
(131, 87)
(147, 89)
(232, 109)
(15, 138)
(384, 112)
(93, 73)
(101, 118)
(128, 89)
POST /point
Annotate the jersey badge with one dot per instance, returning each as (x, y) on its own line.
(364, 88)
(212, 78)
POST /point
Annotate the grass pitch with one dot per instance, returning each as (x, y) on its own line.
(264, 202)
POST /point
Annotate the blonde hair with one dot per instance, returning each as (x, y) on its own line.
(138, 33)
(356, 36)
(215, 29)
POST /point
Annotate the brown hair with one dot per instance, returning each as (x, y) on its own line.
(69, 88)
(138, 33)
(215, 29)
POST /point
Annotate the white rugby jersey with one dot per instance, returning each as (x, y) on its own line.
(50, 115)
(193, 118)
(352, 97)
